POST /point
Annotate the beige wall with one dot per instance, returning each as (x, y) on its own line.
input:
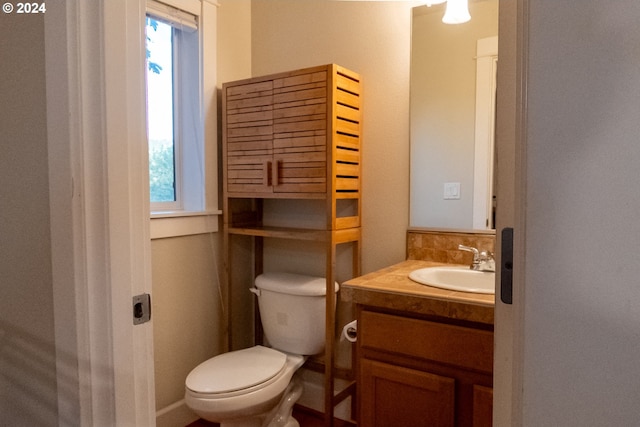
(234, 40)
(234, 63)
(186, 310)
(373, 39)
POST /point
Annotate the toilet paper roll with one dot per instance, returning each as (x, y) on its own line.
(350, 331)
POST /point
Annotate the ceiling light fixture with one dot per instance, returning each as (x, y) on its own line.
(457, 11)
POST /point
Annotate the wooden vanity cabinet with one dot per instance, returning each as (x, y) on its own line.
(422, 372)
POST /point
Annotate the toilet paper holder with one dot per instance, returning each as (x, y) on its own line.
(350, 331)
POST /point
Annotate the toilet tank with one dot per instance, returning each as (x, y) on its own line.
(292, 311)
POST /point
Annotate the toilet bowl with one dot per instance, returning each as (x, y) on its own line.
(239, 388)
(253, 387)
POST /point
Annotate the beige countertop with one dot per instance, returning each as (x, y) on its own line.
(391, 288)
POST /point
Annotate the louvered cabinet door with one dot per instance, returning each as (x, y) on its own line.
(295, 135)
(248, 129)
(300, 133)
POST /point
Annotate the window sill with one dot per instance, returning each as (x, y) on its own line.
(180, 223)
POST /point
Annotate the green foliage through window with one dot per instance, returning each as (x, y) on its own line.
(160, 111)
(161, 172)
(152, 66)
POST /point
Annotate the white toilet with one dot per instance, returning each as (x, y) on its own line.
(252, 387)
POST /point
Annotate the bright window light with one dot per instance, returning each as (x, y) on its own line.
(161, 112)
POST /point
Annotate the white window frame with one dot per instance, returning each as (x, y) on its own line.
(197, 160)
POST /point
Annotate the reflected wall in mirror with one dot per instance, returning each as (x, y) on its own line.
(444, 119)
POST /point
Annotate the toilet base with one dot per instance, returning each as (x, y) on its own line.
(280, 416)
(269, 405)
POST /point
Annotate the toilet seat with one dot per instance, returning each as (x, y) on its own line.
(236, 372)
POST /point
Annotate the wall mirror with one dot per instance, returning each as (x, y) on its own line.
(453, 69)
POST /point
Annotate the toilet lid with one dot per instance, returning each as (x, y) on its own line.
(236, 370)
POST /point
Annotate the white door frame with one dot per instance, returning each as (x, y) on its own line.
(511, 192)
(99, 210)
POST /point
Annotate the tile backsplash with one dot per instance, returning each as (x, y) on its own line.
(442, 245)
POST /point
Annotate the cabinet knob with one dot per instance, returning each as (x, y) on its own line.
(275, 173)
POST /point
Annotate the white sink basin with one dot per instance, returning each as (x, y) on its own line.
(456, 279)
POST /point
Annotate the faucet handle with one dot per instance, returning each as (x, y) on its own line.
(476, 253)
(482, 261)
(486, 255)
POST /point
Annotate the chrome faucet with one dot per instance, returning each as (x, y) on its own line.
(482, 261)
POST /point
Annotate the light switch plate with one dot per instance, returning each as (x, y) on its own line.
(451, 190)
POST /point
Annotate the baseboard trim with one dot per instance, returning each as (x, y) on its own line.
(175, 415)
(300, 411)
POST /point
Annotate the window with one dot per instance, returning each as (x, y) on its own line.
(173, 111)
(182, 151)
(160, 114)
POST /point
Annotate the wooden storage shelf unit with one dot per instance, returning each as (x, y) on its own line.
(295, 135)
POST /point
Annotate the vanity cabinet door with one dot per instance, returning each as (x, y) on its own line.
(423, 373)
(397, 396)
(482, 406)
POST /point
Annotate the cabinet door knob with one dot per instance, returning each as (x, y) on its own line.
(267, 173)
(275, 173)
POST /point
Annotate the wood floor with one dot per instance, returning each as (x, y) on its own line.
(306, 417)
